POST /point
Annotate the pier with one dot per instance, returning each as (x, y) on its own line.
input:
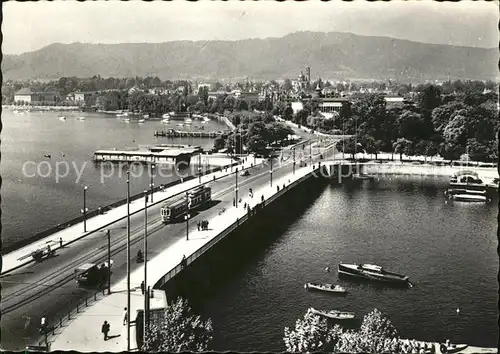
(186, 134)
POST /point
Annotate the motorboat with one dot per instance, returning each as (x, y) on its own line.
(452, 348)
(467, 186)
(373, 272)
(325, 287)
(472, 197)
(334, 314)
(141, 120)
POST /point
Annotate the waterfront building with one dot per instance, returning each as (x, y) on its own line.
(82, 96)
(26, 95)
(161, 154)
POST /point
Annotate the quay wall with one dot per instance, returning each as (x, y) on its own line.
(40, 235)
(244, 238)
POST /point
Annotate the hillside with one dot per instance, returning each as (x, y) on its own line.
(331, 55)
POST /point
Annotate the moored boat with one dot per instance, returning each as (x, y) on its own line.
(325, 287)
(334, 314)
(141, 120)
(451, 348)
(373, 272)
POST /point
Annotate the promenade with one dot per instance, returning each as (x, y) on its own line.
(22, 256)
(83, 332)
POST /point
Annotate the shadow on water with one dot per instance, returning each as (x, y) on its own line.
(228, 260)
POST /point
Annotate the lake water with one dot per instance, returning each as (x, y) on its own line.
(447, 250)
(33, 204)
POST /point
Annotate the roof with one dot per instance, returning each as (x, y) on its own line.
(24, 91)
(85, 266)
(164, 153)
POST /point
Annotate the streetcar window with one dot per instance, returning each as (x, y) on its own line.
(168, 211)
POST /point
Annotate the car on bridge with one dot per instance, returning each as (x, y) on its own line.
(92, 275)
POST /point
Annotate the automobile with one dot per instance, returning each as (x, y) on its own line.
(245, 173)
(92, 275)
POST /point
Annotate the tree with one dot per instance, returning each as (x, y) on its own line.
(402, 146)
(179, 331)
(287, 85)
(311, 334)
(451, 150)
(411, 125)
(288, 113)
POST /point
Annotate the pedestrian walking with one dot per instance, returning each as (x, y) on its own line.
(43, 325)
(198, 224)
(125, 316)
(142, 287)
(60, 242)
(105, 330)
(147, 197)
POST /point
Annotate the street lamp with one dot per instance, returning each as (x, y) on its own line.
(293, 160)
(128, 260)
(186, 217)
(199, 168)
(108, 232)
(152, 181)
(271, 172)
(310, 152)
(236, 189)
(145, 260)
(84, 210)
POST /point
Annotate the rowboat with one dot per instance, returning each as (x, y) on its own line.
(334, 314)
(451, 348)
(325, 287)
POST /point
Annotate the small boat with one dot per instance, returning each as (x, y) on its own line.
(469, 197)
(62, 118)
(47, 156)
(334, 314)
(166, 116)
(165, 121)
(188, 120)
(81, 118)
(325, 287)
(373, 272)
(452, 348)
(141, 120)
(180, 125)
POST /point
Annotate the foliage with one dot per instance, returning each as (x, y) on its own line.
(403, 146)
(179, 330)
(311, 334)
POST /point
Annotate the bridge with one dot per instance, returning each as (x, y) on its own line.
(47, 289)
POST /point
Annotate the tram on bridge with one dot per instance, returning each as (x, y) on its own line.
(175, 209)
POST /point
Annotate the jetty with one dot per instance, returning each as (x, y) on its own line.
(171, 133)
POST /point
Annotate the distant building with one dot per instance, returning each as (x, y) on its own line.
(330, 105)
(158, 91)
(82, 96)
(297, 106)
(26, 95)
(249, 97)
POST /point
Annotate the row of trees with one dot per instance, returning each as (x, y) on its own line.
(449, 125)
(376, 335)
(180, 330)
(254, 131)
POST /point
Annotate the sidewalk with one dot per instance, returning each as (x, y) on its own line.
(83, 333)
(22, 256)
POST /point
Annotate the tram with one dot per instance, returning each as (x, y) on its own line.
(174, 209)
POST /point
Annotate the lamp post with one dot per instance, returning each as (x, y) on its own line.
(152, 181)
(236, 189)
(108, 233)
(310, 152)
(186, 217)
(145, 262)
(293, 160)
(199, 168)
(271, 172)
(128, 260)
(84, 210)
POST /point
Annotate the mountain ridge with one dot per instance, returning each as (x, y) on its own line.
(331, 55)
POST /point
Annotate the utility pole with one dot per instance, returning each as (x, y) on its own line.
(109, 262)
(310, 152)
(236, 189)
(128, 260)
(271, 172)
(145, 263)
(84, 211)
(199, 168)
(152, 182)
(187, 216)
(294, 160)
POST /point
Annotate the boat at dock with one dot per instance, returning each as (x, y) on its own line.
(373, 272)
(80, 118)
(141, 120)
(325, 287)
(363, 177)
(334, 314)
(467, 186)
(452, 348)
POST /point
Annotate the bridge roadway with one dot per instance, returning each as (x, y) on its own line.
(80, 335)
(49, 288)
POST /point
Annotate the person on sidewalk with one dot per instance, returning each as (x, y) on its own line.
(105, 330)
(142, 287)
(198, 224)
(60, 242)
(43, 325)
(125, 316)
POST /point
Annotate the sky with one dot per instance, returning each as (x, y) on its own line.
(28, 26)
